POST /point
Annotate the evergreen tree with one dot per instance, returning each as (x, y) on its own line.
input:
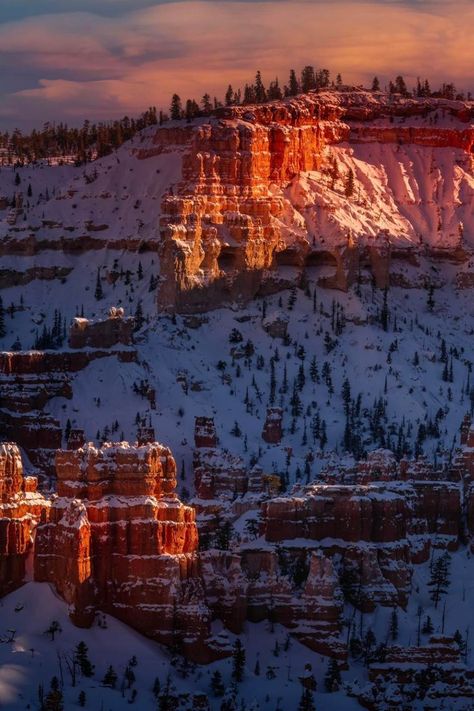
(3, 330)
(99, 292)
(229, 96)
(306, 701)
(349, 186)
(394, 625)
(110, 677)
(293, 84)
(375, 84)
(217, 684)
(176, 108)
(54, 699)
(439, 580)
(308, 79)
(238, 661)
(332, 677)
(384, 313)
(430, 299)
(139, 318)
(206, 104)
(81, 656)
(260, 92)
(428, 627)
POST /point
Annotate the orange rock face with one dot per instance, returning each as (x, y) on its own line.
(118, 539)
(20, 509)
(229, 224)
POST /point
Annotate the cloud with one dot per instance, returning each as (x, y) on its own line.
(76, 64)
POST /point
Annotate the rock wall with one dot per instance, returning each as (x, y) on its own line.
(21, 507)
(231, 223)
(118, 539)
(114, 330)
(28, 381)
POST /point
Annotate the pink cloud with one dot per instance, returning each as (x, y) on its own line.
(102, 67)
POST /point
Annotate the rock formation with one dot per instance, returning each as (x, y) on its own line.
(261, 189)
(432, 674)
(114, 330)
(28, 381)
(119, 540)
(21, 507)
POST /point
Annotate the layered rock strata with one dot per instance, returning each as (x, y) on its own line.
(21, 507)
(241, 210)
(118, 539)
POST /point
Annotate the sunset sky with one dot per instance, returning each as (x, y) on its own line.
(75, 59)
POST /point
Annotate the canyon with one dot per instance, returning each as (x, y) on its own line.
(282, 293)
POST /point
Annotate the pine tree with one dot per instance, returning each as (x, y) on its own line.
(384, 313)
(332, 678)
(156, 687)
(313, 370)
(306, 701)
(439, 580)
(238, 661)
(3, 330)
(99, 292)
(260, 92)
(293, 84)
(346, 395)
(139, 318)
(349, 186)
(308, 79)
(375, 84)
(176, 108)
(81, 656)
(229, 96)
(110, 677)
(206, 104)
(394, 625)
(54, 699)
(430, 302)
(217, 684)
(428, 627)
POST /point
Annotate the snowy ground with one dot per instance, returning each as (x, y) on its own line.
(32, 658)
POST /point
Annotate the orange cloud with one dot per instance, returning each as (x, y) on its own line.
(80, 64)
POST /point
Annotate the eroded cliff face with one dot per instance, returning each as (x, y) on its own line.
(115, 538)
(264, 188)
(21, 507)
(118, 539)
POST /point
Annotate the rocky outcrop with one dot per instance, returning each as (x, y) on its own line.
(118, 539)
(433, 675)
(28, 381)
(21, 507)
(378, 522)
(114, 330)
(241, 211)
(273, 426)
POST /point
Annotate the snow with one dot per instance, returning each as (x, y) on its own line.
(421, 195)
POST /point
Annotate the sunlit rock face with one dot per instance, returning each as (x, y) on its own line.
(118, 539)
(266, 188)
(21, 507)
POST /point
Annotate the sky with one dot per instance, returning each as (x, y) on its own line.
(70, 60)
